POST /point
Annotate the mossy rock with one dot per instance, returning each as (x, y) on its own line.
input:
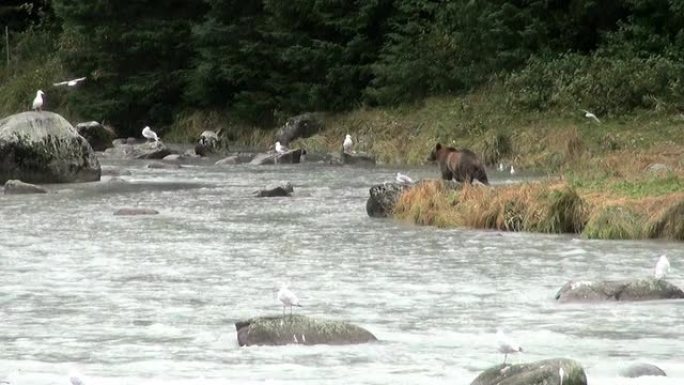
(299, 329)
(619, 290)
(545, 372)
(43, 147)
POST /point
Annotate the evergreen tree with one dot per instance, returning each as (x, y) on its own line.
(136, 55)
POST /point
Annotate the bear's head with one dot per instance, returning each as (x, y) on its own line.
(438, 152)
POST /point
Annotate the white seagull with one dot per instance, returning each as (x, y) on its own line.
(501, 167)
(662, 267)
(561, 374)
(279, 148)
(288, 298)
(69, 83)
(38, 101)
(149, 134)
(403, 179)
(75, 377)
(512, 170)
(506, 346)
(347, 144)
(590, 115)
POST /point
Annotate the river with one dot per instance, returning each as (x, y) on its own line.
(153, 299)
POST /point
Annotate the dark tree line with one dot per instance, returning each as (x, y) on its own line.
(264, 59)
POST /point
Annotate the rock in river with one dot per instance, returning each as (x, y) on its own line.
(291, 156)
(299, 329)
(641, 369)
(284, 190)
(300, 126)
(545, 372)
(99, 136)
(621, 290)
(42, 147)
(14, 186)
(145, 150)
(382, 199)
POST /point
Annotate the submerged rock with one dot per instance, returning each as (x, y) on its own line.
(290, 157)
(640, 370)
(299, 329)
(619, 290)
(14, 186)
(280, 191)
(99, 136)
(164, 166)
(42, 147)
(300, 126)
(545, 372)
(135, 211)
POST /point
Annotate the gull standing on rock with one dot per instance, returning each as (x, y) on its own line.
(288, 298)
(590, 115)
(279, 148)
(512, 170)
(149, 134)
(506, 345)
(403, 179)
(347, 145)
(69, 83)
(662, 267)
(38, 101)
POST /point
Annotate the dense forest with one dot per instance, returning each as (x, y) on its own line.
(262, 60)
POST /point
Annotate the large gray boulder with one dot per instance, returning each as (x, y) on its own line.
(136, 150)
(619, 290)
(640, 370)
(300, 126)
(289, 157)
(14, 186)
(99, 136)
(299, 329)
(43, 147)
(545, 372)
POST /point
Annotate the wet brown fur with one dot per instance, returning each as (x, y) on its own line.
(462, 165)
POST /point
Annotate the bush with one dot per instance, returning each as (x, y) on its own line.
(604, 85)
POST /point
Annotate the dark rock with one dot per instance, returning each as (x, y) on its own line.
(619, 290)
(280, 191)
(135, 211)
(300, 126)
(209, 143)
(545, 372)
(359, 159)
(14, 186)
(42, 147)
(642, 369)
(145, 150)
(99, 136)
(289, 157)
(298, 329)
(382, 199)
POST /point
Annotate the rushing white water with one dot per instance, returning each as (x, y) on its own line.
(153, 299)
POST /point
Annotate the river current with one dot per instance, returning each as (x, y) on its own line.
(153, 299)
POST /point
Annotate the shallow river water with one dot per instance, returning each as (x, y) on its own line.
(153, 299)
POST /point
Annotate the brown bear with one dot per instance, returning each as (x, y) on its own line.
(462, 165)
